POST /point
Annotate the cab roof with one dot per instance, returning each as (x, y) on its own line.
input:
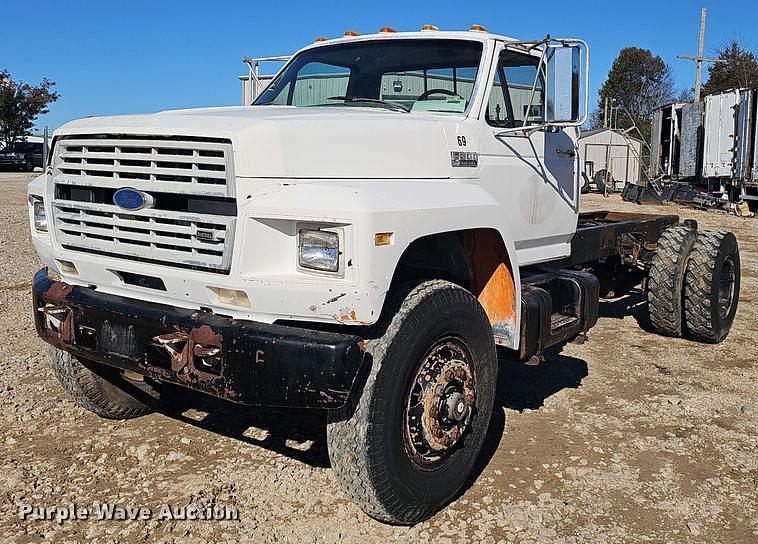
(471, 35)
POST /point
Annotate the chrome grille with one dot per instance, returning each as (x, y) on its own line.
(192, 221)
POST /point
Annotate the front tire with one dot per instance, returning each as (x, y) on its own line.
(103, 390)
(405, 447)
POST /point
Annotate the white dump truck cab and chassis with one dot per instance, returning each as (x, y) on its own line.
(392, 214)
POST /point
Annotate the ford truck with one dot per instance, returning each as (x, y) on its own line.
(391, 216)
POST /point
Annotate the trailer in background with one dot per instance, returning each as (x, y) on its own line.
(691, 141)
(705, 153)
(718, 145)
(665, 140)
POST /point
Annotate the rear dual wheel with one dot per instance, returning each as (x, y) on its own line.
(405, 447)
(666, 279)
(712, 286)
(694, 284)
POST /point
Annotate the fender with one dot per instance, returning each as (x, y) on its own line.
(410, 209)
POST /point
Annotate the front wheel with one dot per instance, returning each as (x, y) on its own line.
(405, 447)
(103, 390)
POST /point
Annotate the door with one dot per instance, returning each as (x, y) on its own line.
(534, 177)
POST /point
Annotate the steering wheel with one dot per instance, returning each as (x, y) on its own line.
(426, 94)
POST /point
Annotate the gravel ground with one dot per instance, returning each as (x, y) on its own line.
(630, 437)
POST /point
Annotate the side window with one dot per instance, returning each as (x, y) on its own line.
(511, 90)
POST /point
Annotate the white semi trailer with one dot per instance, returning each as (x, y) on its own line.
(354, 253)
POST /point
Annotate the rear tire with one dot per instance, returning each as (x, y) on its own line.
(585, 184)
(605, 182)
(712, 287)
(101, 389)
(666, 279)
(379, 445)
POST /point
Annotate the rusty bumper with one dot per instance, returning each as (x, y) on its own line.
(241, 361)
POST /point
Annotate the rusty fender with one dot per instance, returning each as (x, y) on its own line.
(242, 361)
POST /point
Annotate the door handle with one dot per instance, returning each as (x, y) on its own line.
(570, 153)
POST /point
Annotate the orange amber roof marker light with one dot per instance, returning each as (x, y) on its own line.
(320, 39)
(351, 34)
(429, 28)
(387, 30)
(477, 28)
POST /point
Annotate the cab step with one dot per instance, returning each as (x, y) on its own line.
(556, 306)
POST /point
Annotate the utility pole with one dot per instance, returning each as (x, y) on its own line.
(700, 58)
(605, 113)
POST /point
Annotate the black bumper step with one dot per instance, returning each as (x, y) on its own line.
(238, 360)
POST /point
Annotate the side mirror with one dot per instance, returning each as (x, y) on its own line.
(562, 85)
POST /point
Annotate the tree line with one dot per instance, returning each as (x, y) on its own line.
(640, 81)
(20, 105)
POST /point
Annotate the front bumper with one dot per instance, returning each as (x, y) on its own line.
(241, 361)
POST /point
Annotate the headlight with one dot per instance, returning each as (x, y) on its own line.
(38, 212)
(319, 250)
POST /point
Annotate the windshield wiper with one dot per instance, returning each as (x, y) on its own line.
(390, 105)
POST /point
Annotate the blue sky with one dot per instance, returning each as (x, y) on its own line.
(140, 56)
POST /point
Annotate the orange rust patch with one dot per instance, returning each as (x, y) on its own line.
(498, 296)
(493, 282)
(347, 316)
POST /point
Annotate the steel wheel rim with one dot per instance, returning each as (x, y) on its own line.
(440, 404)
(726, 287)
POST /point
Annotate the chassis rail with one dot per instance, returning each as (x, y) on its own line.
(603, 234)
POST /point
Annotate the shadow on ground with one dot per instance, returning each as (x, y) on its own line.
(298, 434)
(524, 387)
(301, 434)
(633, 304)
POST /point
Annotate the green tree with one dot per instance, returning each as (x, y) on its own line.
(637, 82)
(740, 69)
(20, 105)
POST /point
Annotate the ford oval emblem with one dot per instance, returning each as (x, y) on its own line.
(132, 199)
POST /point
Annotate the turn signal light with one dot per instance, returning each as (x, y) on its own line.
(429, 27)
(231, 297)
(383, 238)
(478, 28)
(351, 33)
(67, 267)
(387, 29)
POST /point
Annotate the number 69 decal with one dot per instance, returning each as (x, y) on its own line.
(462, 141)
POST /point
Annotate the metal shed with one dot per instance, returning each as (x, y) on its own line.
(613, 151)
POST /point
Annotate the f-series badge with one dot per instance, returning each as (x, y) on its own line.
(464, 158)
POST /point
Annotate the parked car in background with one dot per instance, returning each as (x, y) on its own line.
(22, 156)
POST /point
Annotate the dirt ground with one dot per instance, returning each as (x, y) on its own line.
(630, 437)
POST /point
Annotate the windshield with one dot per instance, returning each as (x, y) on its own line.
(417, 74)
